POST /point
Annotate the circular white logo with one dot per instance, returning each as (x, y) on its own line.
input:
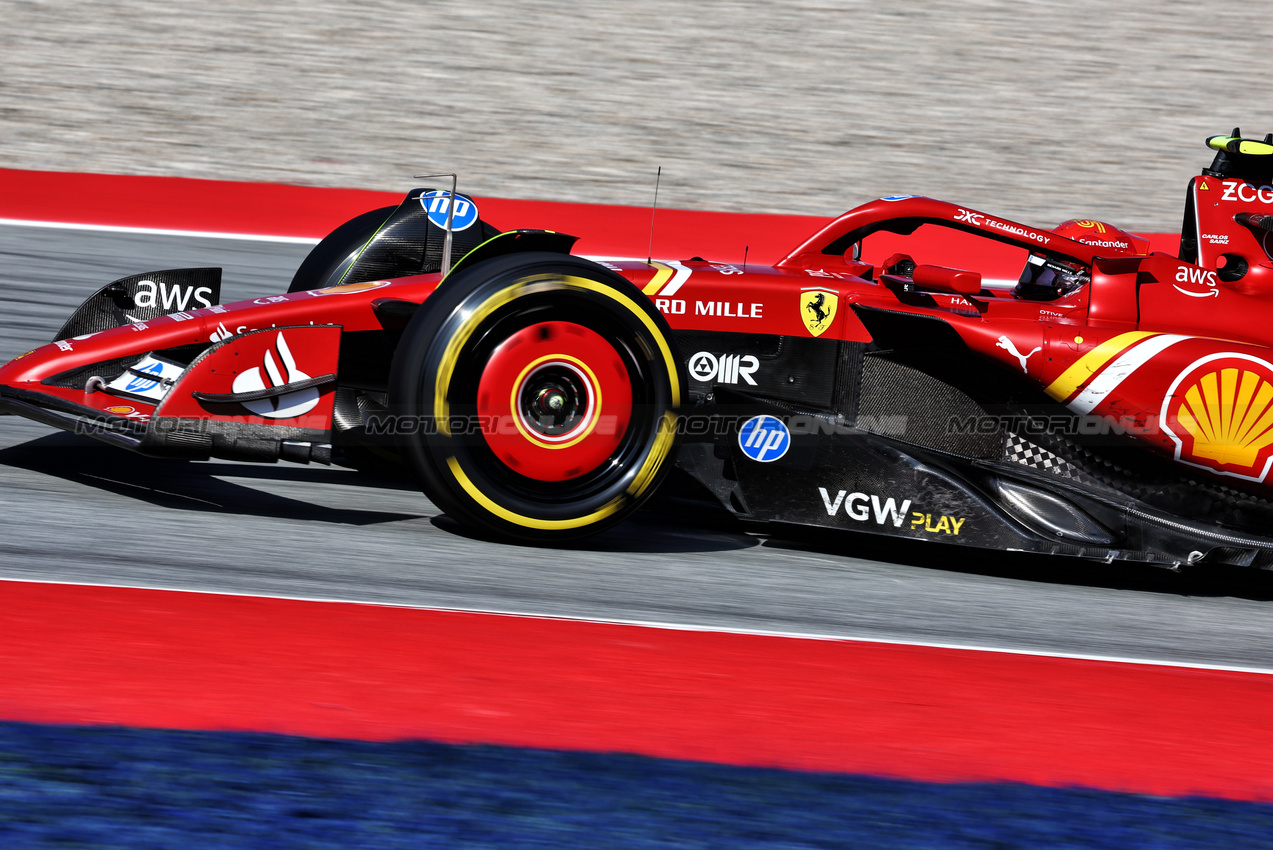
(764, 438)
(703, 366)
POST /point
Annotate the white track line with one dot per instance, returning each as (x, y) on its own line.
(681, 627)
(156, 231)
(246, 237)
(989, 283)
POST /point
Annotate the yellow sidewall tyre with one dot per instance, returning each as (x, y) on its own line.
(580, 390)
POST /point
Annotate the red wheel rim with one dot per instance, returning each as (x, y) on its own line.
(554, 401)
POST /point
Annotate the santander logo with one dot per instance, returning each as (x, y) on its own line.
(267, 376)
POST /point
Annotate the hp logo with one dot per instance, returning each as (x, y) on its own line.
(437, 204)
(764, 438)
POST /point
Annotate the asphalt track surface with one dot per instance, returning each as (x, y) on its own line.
(73, 510)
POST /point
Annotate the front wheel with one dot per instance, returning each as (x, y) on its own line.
(535, 397)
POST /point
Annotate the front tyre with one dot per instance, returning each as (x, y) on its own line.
(536, 397)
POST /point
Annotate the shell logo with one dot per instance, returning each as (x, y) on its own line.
(1219, 412)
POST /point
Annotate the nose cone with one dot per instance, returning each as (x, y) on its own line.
(33, 364)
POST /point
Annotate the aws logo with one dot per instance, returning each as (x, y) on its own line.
(159, 295)
(1219, 413)
(1202, 283)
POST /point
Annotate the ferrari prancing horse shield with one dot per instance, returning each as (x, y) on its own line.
(817, 308)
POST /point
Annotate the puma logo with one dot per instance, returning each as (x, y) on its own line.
(1010, 347)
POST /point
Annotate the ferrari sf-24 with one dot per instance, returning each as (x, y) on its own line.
(1110, 402)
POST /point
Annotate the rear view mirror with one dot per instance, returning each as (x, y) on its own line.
(942, 279)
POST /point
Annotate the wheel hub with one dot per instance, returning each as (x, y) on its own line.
(554, 400)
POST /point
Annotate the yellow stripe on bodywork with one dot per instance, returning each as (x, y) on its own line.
(1089, 364)
(663, 273)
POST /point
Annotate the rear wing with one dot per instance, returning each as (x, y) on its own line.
(1226, 224)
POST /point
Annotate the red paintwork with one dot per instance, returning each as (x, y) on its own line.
(601, 375)
(152, 658)
(942, 279)
(349, 307)
(1111, 240)
(261, 358)
(1216, 200)
(1152, 296)
(869, 216)
(1131, 303)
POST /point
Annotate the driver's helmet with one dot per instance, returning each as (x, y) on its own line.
(1112, 241)
(1046, 278)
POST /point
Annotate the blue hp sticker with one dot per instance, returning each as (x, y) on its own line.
(896, 197)
(139, 384)
(437, 205)
(764, 438)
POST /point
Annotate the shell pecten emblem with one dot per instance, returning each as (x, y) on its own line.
(1219, 412)
(817, 308)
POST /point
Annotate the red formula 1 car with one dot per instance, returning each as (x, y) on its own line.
(1109, 402)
